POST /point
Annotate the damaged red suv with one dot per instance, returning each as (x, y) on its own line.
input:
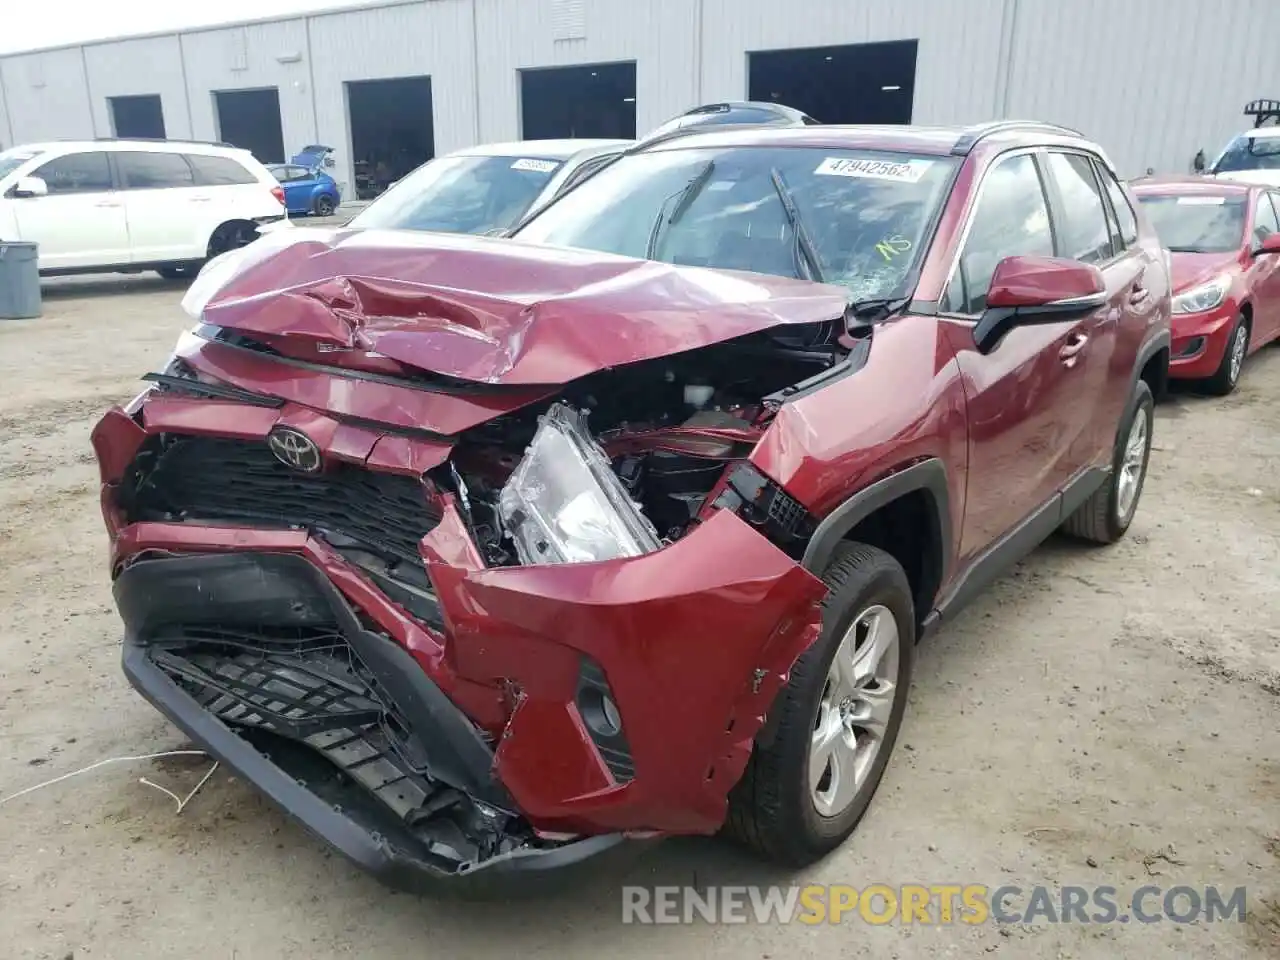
(485, 557)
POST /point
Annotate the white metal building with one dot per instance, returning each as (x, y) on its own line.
(1152, 80)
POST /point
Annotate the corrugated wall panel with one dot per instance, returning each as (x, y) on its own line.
(430, 39)
(1151, 80)
(7, 134)
(660, 35)
(152, 65)
(956, 65)
(252, 57)
(48, 95)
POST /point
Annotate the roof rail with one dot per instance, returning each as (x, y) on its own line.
(1262, 111)
(203, 143)
(974, 135)
(680, 132)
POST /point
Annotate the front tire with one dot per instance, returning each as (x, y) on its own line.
(1227, 376)
(1106, 516)
(839, 715)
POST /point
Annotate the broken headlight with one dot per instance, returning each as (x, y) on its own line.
(564, 503)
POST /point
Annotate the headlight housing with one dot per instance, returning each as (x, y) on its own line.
(1204, 297)
(564, 503)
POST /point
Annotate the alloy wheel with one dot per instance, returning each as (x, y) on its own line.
(1133, 463)
(1239, 343)
(853, 714)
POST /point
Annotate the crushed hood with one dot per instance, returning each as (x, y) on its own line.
(490, 310)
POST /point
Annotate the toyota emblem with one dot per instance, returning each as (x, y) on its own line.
(295, 449)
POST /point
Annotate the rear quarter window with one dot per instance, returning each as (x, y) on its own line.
(219, 171)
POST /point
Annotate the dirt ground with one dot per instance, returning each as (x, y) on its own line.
(1096, 708)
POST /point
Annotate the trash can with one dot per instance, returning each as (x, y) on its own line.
(19, 281)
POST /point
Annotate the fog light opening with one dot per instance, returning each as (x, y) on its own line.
(601, 713)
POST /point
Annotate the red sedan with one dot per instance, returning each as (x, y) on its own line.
(1224, 239)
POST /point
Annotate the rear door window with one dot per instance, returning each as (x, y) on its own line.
(77, 173)
(218, 171)
(154, 171)
(1125, 217)
(1082, 220)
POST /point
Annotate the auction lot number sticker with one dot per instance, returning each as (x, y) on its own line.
(909, 171)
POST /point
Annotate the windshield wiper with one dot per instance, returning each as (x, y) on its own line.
(687, 194)
(803, 245)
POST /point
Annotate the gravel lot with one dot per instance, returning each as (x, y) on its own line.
(1094, 709)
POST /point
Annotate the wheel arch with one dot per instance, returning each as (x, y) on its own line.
(1152, 364)
(908, 515)
(238, 223)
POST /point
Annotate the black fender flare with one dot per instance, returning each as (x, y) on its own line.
(1160, 340)
(928, 475)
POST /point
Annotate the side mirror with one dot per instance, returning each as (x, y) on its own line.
(1030, 290)
(1198, 162)
(30, 187)
(1270, 245)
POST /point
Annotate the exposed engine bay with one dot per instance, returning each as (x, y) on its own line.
(650, 441)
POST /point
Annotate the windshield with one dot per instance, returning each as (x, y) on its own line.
(863, 215)
(1197, 224)
(461, 195)
(1249, 153)
(11, 160)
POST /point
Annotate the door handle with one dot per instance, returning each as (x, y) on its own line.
(108, 203)
(1071, 349)
(1138, 294)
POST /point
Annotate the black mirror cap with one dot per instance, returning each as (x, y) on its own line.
(998, 321)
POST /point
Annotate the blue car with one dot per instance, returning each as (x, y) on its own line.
(307, 188)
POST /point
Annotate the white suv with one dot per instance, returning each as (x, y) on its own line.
(132, 205)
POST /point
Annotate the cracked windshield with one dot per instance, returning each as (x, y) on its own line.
(856, 218)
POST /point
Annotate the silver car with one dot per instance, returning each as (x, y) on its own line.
(489, 188)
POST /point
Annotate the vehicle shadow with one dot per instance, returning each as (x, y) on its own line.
(66, 288)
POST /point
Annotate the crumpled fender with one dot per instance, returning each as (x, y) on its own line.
(695, 640)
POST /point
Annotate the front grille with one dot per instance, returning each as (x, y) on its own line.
(219, 479)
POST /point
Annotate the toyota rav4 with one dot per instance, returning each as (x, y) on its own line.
(482, 557)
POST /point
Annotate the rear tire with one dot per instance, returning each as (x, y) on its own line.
(1106, 516)
(1227, 376)
(324, 206)
(232, 235)
(785, 808)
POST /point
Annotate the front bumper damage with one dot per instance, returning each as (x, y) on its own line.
(467, 753)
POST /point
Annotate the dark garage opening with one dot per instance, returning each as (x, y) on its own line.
(139, 117)
(251, 119)
(392, 130)
(856, 83)
(590, 101)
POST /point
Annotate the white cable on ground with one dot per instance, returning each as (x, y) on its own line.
(109, 760)
(182, 801)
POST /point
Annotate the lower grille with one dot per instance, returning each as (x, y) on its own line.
(311, 688)
(220, 479)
